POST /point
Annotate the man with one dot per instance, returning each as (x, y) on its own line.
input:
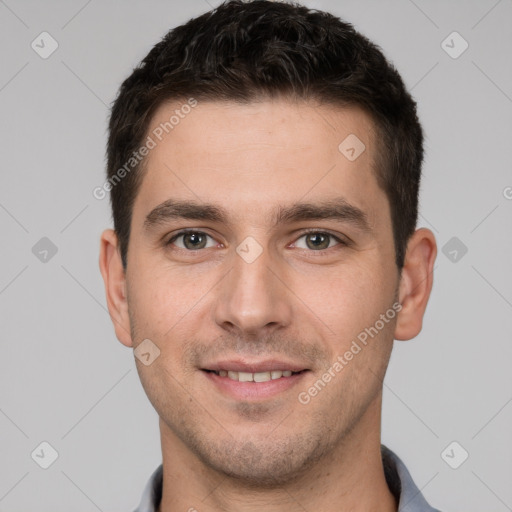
(264, 162)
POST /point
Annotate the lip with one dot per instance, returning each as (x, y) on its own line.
(253, 391)
(241, 365)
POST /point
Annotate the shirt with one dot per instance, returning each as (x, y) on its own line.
(398, 478)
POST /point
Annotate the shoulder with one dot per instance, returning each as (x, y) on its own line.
(401, 484)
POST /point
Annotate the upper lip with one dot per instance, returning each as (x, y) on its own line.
(240, 365)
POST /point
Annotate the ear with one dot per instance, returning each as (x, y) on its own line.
(114, 277)
(415, 283)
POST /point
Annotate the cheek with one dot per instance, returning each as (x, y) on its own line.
(347, 299)
(159, 293)
(168, 304)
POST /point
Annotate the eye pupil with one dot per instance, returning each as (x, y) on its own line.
(317, 241)
(197, 240)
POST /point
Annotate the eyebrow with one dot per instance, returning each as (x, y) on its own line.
(337, 209)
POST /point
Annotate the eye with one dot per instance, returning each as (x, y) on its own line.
(191, 240)
(317, 241)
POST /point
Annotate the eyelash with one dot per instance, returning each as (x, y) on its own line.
(342, 243)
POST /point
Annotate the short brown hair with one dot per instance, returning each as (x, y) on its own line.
(243, 51)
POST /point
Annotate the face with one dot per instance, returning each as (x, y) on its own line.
(258, 247)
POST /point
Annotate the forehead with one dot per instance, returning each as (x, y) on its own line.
(250, 157)
(279, 124)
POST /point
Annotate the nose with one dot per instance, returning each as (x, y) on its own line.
(253, 298)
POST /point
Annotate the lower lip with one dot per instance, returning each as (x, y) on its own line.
(254, 390)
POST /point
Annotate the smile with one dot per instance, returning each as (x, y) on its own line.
(255, 377)
(254, 386)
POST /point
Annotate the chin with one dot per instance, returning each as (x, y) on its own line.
(273, 463)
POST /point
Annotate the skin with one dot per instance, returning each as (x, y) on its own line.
(294, 301)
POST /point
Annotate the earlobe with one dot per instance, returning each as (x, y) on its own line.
(114, 278)
(415, 283)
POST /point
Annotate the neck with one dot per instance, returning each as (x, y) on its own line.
(351, 477)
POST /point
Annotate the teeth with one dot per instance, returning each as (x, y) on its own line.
(245, 377)
(255, 377)
(262, 377)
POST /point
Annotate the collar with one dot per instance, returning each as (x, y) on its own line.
(398, 478)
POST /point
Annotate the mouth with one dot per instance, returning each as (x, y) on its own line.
(255, 377)
(240, 380)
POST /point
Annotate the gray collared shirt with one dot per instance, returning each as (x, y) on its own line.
(398, 478)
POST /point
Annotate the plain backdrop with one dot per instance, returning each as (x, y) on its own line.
(67, 381)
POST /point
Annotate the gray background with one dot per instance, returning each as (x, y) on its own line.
(64, 377)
